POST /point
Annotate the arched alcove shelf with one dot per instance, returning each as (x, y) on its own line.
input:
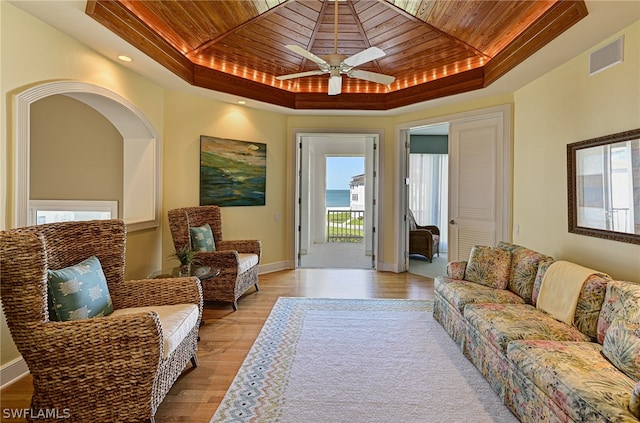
(141, 191)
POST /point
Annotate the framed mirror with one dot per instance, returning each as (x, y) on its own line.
(604, 187)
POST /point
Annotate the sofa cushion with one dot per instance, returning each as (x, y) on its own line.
(459, 293)
(79, 291)
(176, 322)
(589, 302)
(622, 346)
(561, 289)
(455, 269)
(634, 401)
(524, 268)
(622, 299)
(542, 269)
(500, 324)
(575, 377)
(489, 266)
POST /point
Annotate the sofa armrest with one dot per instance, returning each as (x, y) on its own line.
(431, 228)
(249, 246)
(93, 350)
(456, 269)
(219, 259)
(421, 236)
(156, 292)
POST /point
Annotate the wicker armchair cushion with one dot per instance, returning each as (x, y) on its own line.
(176, 321)
(79, 292)
(202, 238)
(489, 266)
(246, 261)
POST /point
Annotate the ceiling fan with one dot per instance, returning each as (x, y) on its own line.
(337, 65)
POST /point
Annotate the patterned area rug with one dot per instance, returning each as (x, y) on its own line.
(343, 360)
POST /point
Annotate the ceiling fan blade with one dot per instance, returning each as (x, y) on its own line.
(371, 76)
(372, 53)
(335, 85)
(307, 54)
(299, 75)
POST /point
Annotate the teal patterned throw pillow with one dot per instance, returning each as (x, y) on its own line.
(79, 292)
(202, 238)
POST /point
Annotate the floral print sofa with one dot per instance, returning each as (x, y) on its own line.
(542, 368)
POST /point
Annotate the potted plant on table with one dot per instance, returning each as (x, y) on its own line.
(185, 256)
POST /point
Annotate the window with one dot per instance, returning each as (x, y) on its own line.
(50, 211)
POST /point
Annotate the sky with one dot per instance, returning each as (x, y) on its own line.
(341, 169)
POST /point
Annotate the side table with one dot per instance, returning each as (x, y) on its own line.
(201, 272)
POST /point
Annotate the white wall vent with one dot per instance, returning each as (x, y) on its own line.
(606, 57)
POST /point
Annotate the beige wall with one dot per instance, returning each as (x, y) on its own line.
(187, 118)
(562, 107)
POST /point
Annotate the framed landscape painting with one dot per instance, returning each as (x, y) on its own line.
(232, 173)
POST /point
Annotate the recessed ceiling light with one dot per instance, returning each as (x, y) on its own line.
(242, 102)
(125, 58)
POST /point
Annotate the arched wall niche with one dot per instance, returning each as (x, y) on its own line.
(141, 191)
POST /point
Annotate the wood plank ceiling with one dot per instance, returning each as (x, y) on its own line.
(433, 48)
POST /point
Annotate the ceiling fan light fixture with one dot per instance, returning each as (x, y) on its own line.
(335, 85)
(337, 64)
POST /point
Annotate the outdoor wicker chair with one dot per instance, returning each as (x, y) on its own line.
(114, 368)
(237, 260)
(423, 240)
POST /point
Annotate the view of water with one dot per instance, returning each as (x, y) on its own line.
(337, 198)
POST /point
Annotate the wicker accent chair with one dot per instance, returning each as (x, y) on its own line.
(423, 240)
(238, 260)
(115, 368)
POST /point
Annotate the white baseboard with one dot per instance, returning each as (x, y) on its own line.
(388, 267)
(286, 265)
(275, 267)
(12, 371)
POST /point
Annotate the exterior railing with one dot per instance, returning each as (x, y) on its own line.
(345, 226)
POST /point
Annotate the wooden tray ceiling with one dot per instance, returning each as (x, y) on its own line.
(434, 48)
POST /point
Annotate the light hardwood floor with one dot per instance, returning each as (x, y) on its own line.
(227, 336)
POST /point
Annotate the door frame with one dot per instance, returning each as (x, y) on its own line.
(401, 176)
(293, 199)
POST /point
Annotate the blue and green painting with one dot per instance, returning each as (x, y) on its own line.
(232, 173)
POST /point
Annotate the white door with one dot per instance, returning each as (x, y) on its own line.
(479, 184)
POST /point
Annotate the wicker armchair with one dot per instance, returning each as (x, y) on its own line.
(237, 260)
(423, 240)
(116, 368)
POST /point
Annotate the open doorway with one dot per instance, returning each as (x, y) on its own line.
(336, 201)
(428, 198)
(479, 164)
